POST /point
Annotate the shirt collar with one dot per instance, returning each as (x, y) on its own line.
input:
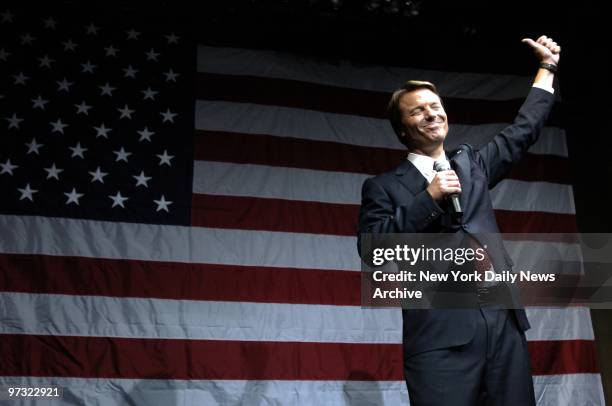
(424, 164)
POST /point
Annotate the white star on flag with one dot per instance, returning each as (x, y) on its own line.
(77, 151)
(83, 108)
(50, 23)
(33, 147)
(98, 175)
(107, 90)
(145, 134)
(165, 158)
(141, 180)
(130, 72)
(73, 197)
(26, 193)
(39, 103)
(162, 204)
(26, 39)
(88, 67)
(149, 94)
(172, 38)
(152, 55)
(92, 29)
(45, 61)
(14, 121)
(171, 76)
(8, 167)
(4, 54)
(132, 34)
(111, 51)
(20, 79)
(69, 45)
(126, 112)
(58, 126)
(102, 131)
(64, 85)
(53, 172)
(122, 155)
(7, 16)
(168, 116)
(118, 200)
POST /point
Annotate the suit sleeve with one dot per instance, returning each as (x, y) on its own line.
(508, 147)
(378, 214)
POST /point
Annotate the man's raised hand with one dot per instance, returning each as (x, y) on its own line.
(545, 49)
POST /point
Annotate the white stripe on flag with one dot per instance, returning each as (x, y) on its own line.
(570, 390)
(159, 392)
(550, 390)
(511, 194)
(227, 179)
(572, 323)
(69, 237)
(71, 315)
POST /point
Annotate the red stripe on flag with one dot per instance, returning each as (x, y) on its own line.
(541, 168)
(343, 100)
(510, 221)
(563, 357)
(106, 357)
(262, 149)
(271, 150)
(175, 280)
(254, 213)
(137, 358)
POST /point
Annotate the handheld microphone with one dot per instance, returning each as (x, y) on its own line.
(454, 198)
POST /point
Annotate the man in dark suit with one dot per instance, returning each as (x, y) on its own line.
(459, 357)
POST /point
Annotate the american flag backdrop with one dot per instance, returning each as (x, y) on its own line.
(178, 221)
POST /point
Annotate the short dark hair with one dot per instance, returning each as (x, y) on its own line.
(393, 108)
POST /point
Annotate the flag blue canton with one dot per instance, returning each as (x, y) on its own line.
(96, 119)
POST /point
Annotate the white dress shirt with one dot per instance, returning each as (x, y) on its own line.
(425, 164)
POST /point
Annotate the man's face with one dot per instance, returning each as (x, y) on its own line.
(424, 119)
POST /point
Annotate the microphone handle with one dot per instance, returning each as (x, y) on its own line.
(456, 206)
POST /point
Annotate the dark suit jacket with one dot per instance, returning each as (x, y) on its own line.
(397, 202)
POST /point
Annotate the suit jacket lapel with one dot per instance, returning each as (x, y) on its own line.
(410, 177)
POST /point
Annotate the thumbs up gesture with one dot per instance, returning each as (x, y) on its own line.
(545, 49)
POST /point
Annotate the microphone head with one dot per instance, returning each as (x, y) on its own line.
(442, 165)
